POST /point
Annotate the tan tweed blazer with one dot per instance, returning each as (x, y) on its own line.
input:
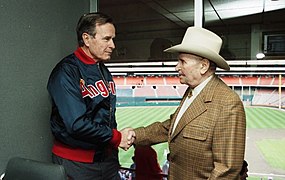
(209, 140)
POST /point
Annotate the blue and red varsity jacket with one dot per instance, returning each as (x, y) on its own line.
(83, 108)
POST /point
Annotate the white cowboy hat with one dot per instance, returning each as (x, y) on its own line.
(201, 42)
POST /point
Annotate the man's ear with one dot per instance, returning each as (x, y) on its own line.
(205, 65)
(86, 38)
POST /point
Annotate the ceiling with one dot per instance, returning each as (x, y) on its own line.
(145, 18)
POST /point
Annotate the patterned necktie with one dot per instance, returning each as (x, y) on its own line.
(190, 94)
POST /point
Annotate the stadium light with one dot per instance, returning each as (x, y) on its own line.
(260, 56)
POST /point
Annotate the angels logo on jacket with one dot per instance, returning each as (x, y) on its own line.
(99, 88)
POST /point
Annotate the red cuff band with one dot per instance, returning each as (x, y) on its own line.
(116, 139)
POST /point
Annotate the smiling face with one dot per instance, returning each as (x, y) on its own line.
(192, 69)
(100, 46)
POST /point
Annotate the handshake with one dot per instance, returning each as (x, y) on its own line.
(128, 138)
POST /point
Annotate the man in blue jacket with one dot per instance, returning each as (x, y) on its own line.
(83, 98)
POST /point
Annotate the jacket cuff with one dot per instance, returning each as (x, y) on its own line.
(116, 139)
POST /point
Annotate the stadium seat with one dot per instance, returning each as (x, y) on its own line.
(251, 81)
(265, 80)
(167, 91)
(119, 80)
(154, 80)
(170, 80)
(23, 169)
(145, 91)
(134, 80)
(231, 80)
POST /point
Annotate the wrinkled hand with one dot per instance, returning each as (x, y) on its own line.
(128, 138)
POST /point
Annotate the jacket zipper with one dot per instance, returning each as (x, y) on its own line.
(107, 85)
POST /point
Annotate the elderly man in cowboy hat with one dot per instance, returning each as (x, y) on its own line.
(206, 134)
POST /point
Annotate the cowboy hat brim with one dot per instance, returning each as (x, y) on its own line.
(200, 51)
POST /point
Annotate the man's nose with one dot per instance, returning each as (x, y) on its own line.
(112, 44)
(177, 68)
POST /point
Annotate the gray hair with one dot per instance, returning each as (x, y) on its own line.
(87, 24)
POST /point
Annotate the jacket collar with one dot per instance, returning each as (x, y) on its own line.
(82, 56)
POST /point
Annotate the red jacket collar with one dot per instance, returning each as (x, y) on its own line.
(82, 56)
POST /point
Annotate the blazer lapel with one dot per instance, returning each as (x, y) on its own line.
(177, 111)
(197, 107)
(194, 110)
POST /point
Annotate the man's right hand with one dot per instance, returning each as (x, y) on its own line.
(128, 138)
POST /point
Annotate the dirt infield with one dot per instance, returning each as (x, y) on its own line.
(256, 161)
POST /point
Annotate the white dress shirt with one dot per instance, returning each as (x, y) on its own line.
(189, 100)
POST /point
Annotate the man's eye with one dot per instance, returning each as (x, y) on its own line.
(107, 38)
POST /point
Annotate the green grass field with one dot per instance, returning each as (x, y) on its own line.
(261, 117)
(273, 150)
(257, 118)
